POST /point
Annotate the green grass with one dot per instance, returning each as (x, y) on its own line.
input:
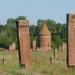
(40, 66)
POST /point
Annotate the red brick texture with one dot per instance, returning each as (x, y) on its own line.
(45, 38)
(24, 43)
(71, 39)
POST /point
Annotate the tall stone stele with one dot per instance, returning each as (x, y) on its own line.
(71, 40)
(25, 56)
(45, 38)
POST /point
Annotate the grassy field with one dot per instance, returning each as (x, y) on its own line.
(41, 64)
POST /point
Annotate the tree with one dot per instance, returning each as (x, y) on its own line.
(64, 33)
(51, 25)
(21, 18)
(59, 27)
(8, 32)
(32, 30)
(11, 21)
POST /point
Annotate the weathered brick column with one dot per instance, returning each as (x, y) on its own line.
(45, 38)
(71, 39)
(25, 56)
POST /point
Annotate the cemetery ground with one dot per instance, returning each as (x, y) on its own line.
(9, 64)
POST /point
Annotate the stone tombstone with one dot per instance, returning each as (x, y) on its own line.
(52, 60)
(64, 46)
(71, 40)
(44, 38)
(34, 45)
(60, 49)
(37, 49)
(56, 53)
(25, 55)
(12, 47)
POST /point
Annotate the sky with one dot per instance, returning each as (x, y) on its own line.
(36, 9)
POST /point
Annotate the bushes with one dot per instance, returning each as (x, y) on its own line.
(4, 42)
(8, 34)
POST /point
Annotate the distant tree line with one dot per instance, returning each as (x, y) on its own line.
(8, 32)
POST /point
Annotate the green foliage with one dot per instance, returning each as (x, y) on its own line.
(51, 24)
(10, 21)
(4, 42)
(21, 18)
(32, 30)
(8, 32)
(56, 41)
(64, 33)
(58, 31)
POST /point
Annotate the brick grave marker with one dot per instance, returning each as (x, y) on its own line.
(71, 40)
(45, 38)
(60, 48)
(25, 55)
(56, 53)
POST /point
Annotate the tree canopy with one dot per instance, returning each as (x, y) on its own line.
(8, 32)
